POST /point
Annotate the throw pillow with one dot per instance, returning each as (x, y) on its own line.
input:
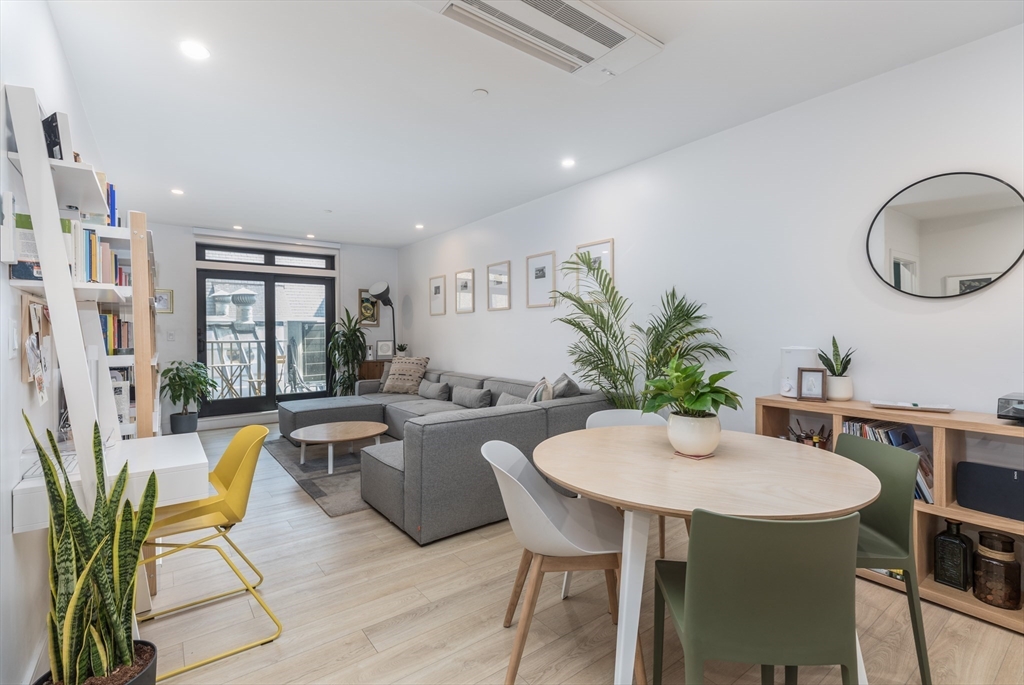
(542, 391)
(384, 376)
(564, 387)
(406, 374)
(506, 399)
(434, 391)
(471, 398)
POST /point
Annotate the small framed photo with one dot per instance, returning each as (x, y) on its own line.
(602, 254)
(499, 286)
(369, 310)
(465, 291)
(163, 301)
(960, 285)
(810, 385)
(438, 297)
(540, 280)
(385, 349)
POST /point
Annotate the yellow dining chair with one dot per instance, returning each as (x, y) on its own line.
(232, 479)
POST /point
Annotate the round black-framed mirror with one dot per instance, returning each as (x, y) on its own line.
(947, 235)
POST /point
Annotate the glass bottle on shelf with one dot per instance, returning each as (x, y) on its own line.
(997, 571)
(954, 557)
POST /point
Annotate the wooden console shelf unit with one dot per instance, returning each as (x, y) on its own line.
(949, 440)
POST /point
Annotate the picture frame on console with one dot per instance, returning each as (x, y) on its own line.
(499, 286)
(438, 297)
(465, 291)
(385, 349)
(540, 280)
(810, 385)
(369, 309)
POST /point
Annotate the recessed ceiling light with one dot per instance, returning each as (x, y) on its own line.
(310, 235)
(480, 93)
(177, 191)
(194, 49)
(237, 228)
(419, 226)
(568, 163)
(328, 211)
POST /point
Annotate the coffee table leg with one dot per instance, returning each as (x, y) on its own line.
(376, 439)
(330, 458)
(631, 585)
(302, 453)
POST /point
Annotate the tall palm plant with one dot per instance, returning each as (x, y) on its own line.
(346, 350)
(614, 355)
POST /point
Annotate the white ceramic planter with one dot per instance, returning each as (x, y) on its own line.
(839, 388)
(694, 437)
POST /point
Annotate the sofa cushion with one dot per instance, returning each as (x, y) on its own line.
(433, 375)
(389, 453)
(509, 386)
(397, 413)
(564, 387)
(540, 392)
(384, 375)
(301, 413)
(464, 380)
(434, 391)
(471, 398)
(382, 480)
(507, 399)
(406, 374)
(385, 398)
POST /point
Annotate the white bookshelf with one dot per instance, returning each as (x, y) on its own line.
(75, 184)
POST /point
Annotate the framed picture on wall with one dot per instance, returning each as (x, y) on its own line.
(163, 301)
(540, 280)
(602, 254)
(437, 296)
(369, 309)
(465, 291)
(499, 286)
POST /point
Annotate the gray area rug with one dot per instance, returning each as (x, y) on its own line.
(338, 493)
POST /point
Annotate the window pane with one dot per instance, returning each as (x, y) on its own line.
(229, 256)
(236, 334)
(309, 262)
(301, 337)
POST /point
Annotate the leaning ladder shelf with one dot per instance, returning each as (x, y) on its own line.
(949, 434)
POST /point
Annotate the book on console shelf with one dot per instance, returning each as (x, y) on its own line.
(57, 133)
(25, 250)
(118, 336)
(904, 436)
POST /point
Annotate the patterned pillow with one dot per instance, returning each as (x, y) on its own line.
(507, 399)
(565, 387)
(434, 391)
(406, 374)
(542, 391)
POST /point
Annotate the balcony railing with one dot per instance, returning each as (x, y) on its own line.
(238, 368)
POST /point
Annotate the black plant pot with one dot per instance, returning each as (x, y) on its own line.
(184, 423)
(146, 676)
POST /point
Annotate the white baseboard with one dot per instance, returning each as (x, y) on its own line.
(237, 420)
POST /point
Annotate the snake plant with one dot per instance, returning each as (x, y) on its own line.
(838, 364)
(92, 568)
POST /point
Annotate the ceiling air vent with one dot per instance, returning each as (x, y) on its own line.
(573, 35)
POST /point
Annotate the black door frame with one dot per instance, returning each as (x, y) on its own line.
(269, 400)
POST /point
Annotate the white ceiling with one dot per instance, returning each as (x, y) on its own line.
(365, 108)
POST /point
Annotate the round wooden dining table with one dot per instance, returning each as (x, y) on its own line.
(636, 469)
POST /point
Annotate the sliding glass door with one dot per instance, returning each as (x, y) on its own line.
(263, 337)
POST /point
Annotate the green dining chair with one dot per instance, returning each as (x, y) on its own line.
(886, 525)
(761, 592)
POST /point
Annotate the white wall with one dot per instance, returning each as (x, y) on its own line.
(30, 55)
(766, 223)
(977, 243)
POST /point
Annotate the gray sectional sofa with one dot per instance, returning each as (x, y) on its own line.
(432, 482)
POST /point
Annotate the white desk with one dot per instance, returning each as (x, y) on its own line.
(182, 473)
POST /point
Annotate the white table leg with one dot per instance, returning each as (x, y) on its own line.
(636, 527)
(330, 458)
(862, 673)
(302, 453)
(376, 439)
(566, 582)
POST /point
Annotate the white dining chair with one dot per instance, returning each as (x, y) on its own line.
(623, 417)
(558, 533)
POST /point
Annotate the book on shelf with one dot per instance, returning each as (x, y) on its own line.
(118, 336)
(905, 437)
(25, 250)
(57, 133)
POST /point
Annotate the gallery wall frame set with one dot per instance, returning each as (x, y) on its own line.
(438, 296)
(369, 309)
(499, 286)
(465, 291)
(601, 252)
(540, 280)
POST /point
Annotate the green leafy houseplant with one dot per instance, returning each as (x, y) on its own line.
(610, 353)
(683, 388)
(346, 349)
(92, 568)
(401, 347)
(187, 383)
(838, 364)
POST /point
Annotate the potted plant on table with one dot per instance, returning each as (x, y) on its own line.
(346, 349)
(693, 426)
(92, 577)
(401, 347)
(186, 383)
(839, 386)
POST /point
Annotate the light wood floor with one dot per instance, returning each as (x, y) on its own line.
(362, 603)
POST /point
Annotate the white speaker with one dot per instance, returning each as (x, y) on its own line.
(794, 358)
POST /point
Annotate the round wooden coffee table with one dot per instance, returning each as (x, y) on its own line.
(340, 431)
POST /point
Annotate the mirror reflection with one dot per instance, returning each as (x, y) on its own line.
(948, 235)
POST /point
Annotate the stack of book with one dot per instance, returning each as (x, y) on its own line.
(118, 337)
(904, 436)
(91, 259)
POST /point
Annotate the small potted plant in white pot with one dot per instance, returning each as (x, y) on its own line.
(186, 383)
(401, 347)
(839, 386)
(693, 426)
